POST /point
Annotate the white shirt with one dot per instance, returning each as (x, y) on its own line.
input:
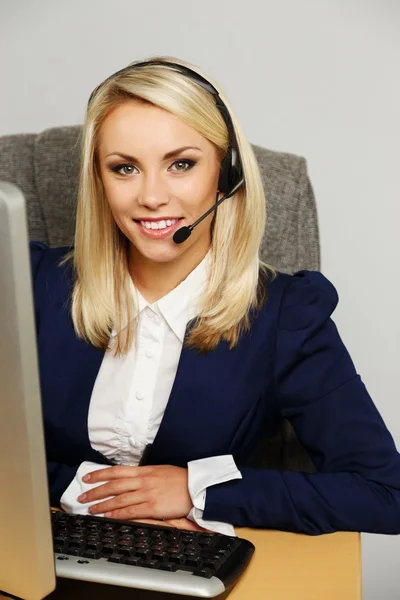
(131, 393)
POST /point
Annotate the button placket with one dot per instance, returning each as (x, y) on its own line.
(140, 403)
(144, 381)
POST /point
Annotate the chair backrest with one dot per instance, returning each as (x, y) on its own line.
(45, 166)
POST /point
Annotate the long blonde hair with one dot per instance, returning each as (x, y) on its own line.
(102, 298)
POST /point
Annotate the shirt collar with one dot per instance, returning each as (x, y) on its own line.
(182, 303)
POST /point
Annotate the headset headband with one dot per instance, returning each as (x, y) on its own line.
(231, 168)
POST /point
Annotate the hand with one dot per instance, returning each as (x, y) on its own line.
(154, 492)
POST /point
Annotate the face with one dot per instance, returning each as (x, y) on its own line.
(158, 174)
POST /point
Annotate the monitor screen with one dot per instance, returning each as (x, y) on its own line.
(26, 551)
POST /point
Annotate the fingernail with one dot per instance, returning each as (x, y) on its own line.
(92, 509)
(81, 497)
(86, 477)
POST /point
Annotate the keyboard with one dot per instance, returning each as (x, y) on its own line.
(146, 556)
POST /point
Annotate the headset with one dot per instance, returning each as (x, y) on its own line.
(231, 172)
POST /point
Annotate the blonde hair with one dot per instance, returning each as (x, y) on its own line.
(102, 298)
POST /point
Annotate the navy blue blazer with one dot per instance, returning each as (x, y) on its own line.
(292, 364)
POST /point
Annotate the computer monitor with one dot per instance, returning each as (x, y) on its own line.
(26, 549)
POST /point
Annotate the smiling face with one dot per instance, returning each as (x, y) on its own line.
(158, 174)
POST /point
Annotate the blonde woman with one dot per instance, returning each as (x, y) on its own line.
(167, 348)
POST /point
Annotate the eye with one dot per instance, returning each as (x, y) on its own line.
(125, 169)
(183, 165)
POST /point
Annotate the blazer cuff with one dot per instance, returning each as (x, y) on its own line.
(202, 474)
(69, 499)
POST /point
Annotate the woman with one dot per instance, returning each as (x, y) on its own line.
(171, 360)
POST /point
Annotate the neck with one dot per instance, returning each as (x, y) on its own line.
(155, 280)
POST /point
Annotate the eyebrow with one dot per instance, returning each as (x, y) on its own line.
(170, 154)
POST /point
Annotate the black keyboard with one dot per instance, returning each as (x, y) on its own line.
(147, 556)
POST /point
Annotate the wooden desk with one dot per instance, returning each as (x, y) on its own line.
(289, 566)
(285, 566)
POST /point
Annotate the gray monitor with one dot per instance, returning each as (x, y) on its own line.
(26, 550)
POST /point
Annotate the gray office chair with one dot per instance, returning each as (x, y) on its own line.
(45, 167)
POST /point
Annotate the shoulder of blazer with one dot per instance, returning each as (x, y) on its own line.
(52, 278)
(278, 287)
(275, 286)
(279, 283)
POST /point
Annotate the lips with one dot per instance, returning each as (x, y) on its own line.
(158, 233)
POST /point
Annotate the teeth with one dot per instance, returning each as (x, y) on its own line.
(158, 224)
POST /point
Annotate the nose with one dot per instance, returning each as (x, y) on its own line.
(153, 191)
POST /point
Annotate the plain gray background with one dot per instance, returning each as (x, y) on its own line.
(317, 78)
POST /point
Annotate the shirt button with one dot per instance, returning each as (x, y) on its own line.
(149, 353)
(139, 395)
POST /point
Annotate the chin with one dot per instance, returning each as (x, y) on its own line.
(159, 254)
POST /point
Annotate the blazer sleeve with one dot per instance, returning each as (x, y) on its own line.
(59, 475)
(357, 483)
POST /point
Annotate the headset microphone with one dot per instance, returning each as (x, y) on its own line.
(183, 233)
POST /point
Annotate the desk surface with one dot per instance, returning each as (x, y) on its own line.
(285, 566)
(289, 566)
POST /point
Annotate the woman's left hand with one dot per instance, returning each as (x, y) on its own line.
(153, 492)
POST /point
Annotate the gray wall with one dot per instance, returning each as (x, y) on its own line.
(319, 78)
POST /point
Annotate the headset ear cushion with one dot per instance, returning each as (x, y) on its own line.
(224, 183)
(235, 175)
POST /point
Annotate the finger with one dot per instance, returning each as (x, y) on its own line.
(118, 502)
(116, 472)
(184, 524)
(134, 512)
(150, 522)
(111, 488)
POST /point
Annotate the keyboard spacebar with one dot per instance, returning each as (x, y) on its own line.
(102, 571)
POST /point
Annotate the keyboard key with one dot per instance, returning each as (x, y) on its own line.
(158, 535)
(160, 556)
(179, 559)
(207, 573)
(125, 529)
(194, 561)
(144, 553)
(212, 563)
(174, 549)
(127, 551)
(167, 566)
(116, 558)
(193, 547)
(150, 564)
(94, 554)
(94, 545)
(134, 561)
(108, 549)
